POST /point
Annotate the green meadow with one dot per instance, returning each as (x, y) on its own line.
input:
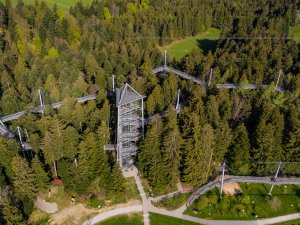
(204, 42)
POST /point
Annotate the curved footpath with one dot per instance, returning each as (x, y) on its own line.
(147, 207)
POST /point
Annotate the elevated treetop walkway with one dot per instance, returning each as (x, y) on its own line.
(168, 69)
(240, 179)
(8, 134)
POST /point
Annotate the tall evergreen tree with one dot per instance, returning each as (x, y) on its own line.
(150, 159)
(41, 176)
(116, 181)
(171, 149)
(198, 153)
(240, 152)
(24, 179)
(11, 212)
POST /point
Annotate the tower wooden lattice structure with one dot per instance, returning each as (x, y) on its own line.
(130, 123)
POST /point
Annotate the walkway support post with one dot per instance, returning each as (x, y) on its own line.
(178, 98)
(113, 82)
(21, 141)
(165, 58)
(222, 181)
(276, 175)
(278, 78)
(41, 101)
(210, 76)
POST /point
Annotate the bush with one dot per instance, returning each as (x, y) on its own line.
(202, 202)
(94, 202)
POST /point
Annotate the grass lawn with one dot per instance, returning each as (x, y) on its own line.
(63, 4)
(130, 219)
(253, 203)
(157, 219)
(295, 32)
(205, 42)
(173, 202)
(292, 222)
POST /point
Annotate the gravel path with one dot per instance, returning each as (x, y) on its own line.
(45, 206)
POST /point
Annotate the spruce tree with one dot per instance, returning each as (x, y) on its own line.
(11, 212)
(116, 180)
(198, 153)
(240, 152)
(171, 149)
(150, 157)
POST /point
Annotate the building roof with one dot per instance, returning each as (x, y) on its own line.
(126, 95)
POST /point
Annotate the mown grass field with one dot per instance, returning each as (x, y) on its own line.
(63, 4)
(204, 42)
(295, 32)
(157, 219)
(253, 203)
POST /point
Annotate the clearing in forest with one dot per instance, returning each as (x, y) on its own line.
(204, 42)
(295, 32)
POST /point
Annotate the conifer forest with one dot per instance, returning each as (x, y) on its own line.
(68, 54)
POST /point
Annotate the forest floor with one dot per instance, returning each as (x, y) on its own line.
(204, 42)
(295, 32)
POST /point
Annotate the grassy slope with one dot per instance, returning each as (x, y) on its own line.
(287, 201)
(295, 32)
(130, 219)
(205, 42)
(157, 219)
(64, 4)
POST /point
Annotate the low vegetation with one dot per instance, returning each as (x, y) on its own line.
(173, 202)
(253, 203)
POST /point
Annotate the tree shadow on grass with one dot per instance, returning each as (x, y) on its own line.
(207, 45)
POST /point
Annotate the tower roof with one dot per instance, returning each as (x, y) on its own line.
(126, 95)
